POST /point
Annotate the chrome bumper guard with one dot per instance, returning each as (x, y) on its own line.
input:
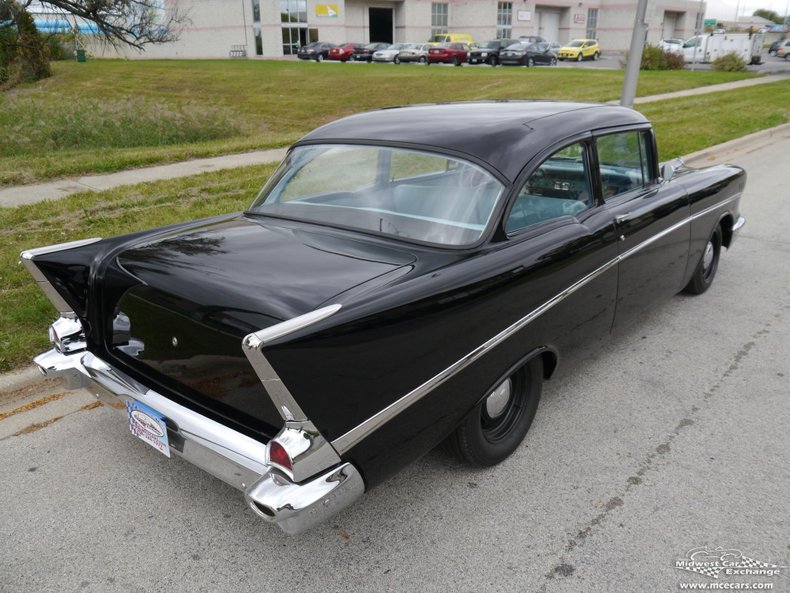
(736, 227)
(234, 458)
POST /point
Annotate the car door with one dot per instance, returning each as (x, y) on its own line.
(650, 219)
(563, 241)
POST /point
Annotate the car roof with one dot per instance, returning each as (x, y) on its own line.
(502, 134)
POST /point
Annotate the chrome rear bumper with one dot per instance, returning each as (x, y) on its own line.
(225, 453)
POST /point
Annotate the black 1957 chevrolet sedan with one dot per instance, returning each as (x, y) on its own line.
(407, 277)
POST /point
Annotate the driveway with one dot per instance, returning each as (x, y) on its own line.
(669, 436)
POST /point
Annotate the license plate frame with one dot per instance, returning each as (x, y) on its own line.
(148, 425)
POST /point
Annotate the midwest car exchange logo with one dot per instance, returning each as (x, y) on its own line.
(713, 563)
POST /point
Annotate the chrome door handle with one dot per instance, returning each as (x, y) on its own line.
(622, 219)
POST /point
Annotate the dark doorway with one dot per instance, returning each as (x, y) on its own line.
(380, 25)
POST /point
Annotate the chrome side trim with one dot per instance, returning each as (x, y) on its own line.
(253, 344)
(345, 442)
(28, 257)
(351, 438)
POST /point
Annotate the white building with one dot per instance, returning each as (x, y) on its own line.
(272, 28)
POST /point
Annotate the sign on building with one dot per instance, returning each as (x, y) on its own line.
(579, 18)
(524, 15)
(326, 10)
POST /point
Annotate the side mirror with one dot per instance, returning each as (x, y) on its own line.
(667, 172)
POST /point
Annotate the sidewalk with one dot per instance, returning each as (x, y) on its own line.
(53, 190)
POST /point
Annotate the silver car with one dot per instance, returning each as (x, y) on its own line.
(389, 54)
(413, 52)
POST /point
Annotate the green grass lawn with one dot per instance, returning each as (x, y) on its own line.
(682, 126)
(106, 115)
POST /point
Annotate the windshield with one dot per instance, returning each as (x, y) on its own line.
(516, 47)
(440, 38)
(405, 193)
(491, 45)
(576, 44)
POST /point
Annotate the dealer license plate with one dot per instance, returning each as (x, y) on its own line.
(149, 425)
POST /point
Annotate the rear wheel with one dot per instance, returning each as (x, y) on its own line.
(422, 60)
(319, 58)
(396, 60)
(787, 57)
(596, 55)
(497, 425)
(492, 61)
(454, 61)
(705, 271)
(530, 62)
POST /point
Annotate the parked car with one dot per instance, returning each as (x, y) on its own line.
(344, 52)
(672, 45)
(413, 52)
(532, 54)
(580, 49)
(365, 54)
(448, 53)
(406, 277)
(488, 53)
(318, 51)
(783, 51)
(442, 38)
(389, 53)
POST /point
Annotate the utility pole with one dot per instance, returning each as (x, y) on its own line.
(634, 56)
(697, 32)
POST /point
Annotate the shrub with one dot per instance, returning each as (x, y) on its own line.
(24, 56)
(655, 58)
(730, 62)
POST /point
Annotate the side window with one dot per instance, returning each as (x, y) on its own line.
(559, 187)
(623, 162)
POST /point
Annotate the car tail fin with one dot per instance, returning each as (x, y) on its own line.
(62, 272)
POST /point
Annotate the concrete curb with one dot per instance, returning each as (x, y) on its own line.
(718, 154)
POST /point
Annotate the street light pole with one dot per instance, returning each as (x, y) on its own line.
(634, 56)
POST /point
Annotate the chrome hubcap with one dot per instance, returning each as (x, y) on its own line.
(498, 400)
(707, 258)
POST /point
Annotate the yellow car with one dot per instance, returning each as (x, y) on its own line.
(579, 49)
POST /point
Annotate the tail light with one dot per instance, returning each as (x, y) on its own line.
(279, 456)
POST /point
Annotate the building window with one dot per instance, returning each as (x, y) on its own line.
(438, 18)
(504, 20)
(592, 23)
(293, 15)
(256, 27)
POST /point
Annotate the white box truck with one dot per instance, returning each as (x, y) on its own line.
(706, 48)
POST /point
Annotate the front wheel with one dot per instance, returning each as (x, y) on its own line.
(396, 60)
(530, 62)
(787, 58)
(553, 62)
(705, 271)
(422, 60)
(596, 55)
(579, 58)
(454, 61)
(494, 429)
(319, 58)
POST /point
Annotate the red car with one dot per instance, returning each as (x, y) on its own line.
(344, 52)
(448, 53)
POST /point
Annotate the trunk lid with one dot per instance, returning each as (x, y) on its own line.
(197, 292)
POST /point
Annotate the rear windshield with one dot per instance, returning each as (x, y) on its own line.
(409, 194)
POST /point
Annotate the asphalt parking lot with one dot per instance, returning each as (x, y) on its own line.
(669, 436)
